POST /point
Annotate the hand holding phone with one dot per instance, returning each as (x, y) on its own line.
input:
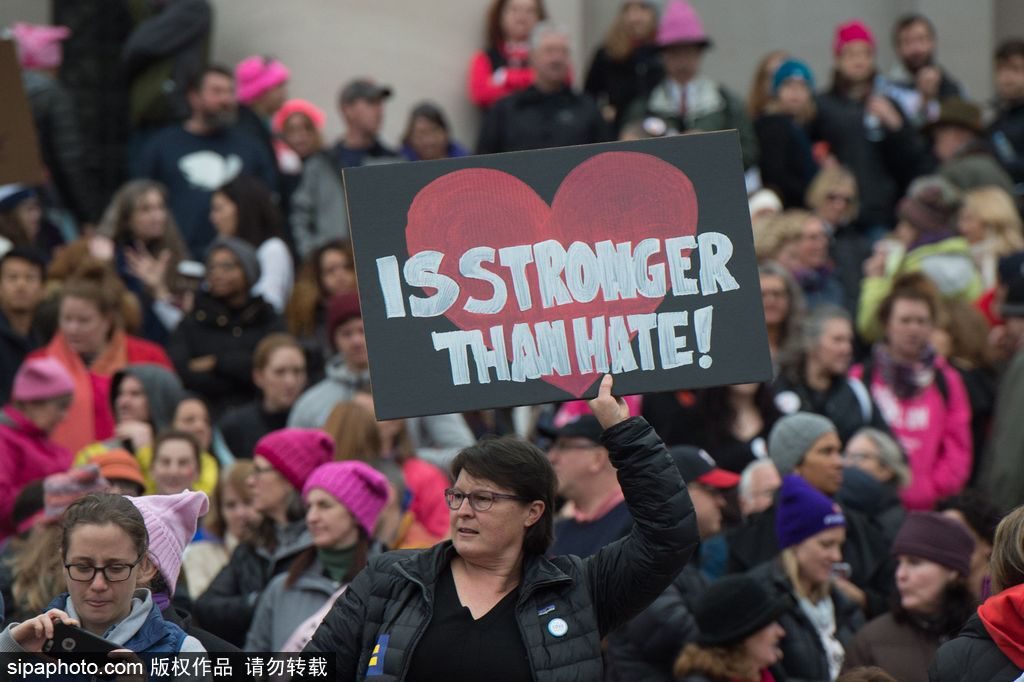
(71, 639)
(33, 633)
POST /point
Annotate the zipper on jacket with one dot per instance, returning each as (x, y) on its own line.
(526, 594)
(418, 635)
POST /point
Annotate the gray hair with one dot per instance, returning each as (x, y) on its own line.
(543, 29)
(813, 325)
(890, 453)
(747, 475)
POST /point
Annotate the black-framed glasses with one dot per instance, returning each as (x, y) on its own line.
(112, 573)
(479, 500)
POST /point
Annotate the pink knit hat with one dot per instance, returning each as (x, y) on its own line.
(680, 24)
(255, 75)
(852, 31)
(171, 521)
(41, 379)
(60, 490)
(298, 106)
(357, 485)
(295, 453)
(39, 46)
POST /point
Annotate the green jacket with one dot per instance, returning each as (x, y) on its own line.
(948, 263)
(710, 107)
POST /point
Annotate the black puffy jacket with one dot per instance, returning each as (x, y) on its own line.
(646, 648)
(803, 656)
(227, 606)
(972, 656)
(392, 597)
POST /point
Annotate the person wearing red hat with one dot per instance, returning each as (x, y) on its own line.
(865, 129)
(40, 399)
(348, 373)
(298, 128)
(687, 101)
(282, 461)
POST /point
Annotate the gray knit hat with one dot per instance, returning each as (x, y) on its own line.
(793, 435)
(245, 254)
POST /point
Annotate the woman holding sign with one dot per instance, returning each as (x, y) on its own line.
(488, 600)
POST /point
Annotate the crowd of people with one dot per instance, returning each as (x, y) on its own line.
(190, 459)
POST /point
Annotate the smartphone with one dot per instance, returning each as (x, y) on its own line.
(69, 639)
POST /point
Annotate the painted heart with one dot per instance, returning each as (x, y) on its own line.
(616, 196)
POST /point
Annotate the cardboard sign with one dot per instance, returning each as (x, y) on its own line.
(521, 278)
(19, 150)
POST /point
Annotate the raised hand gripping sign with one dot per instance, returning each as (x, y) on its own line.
(521, 278)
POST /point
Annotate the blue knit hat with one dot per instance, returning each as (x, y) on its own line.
(792, 68)
(802, 512)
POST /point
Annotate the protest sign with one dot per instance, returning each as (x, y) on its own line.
(19, 151)
(521, 278)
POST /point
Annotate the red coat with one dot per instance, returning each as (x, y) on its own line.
(26, 454)
(487, 85)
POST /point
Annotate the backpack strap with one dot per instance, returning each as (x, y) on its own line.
(863, 398)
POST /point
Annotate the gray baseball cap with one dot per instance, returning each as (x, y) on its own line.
(363, 88)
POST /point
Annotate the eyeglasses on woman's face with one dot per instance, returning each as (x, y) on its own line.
(112, 573)
(479, 500)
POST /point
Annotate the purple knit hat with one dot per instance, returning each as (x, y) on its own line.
(357, 485)
(295, 453)
(934, 537)
(171, 521)
(802, 511)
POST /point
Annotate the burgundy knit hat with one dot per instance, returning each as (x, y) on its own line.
(938, 538)
(295, 453)
(357, 485)
(341, 309)
(931, 205)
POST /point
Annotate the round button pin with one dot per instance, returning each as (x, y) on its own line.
(558, 627)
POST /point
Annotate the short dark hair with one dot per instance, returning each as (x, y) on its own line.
(195, 84)
(977, 509)
(516, 465)
(28, 254)
(1012, 47)
(258, 217)
(908, 20)
(430, 112)
(99, 509)
(913, 286)
(178, 434)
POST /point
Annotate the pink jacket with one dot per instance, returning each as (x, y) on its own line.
(935, 433)
(26, 455)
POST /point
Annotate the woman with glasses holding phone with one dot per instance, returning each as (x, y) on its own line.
(282, 462)
(104, 546)
(488, 604)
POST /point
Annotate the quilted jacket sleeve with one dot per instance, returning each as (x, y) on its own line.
(626, 576)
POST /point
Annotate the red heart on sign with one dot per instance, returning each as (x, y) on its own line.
(616, 196)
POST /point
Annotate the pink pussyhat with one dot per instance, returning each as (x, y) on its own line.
(852, 31)
(39, 46)
(680, 24)
(41, 379)
(171, 521)
(298, 106)
(256, 75)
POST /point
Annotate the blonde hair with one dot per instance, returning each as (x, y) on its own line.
(718, 662)
(828, 180)
(354, 431)
(38, 568)
(772, 235)
(236, 478)
(996, 210)
(618, 42)
(791, 567)
(1007, 562)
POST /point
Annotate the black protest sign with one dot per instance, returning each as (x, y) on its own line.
(520, 278)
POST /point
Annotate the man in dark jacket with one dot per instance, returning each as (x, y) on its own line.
(21, 290)
(389, 605)
(548, 113)
(918, 82)
(262, 89)
(1007, 130)
(966, 158)
(807, 444)
(646, 647)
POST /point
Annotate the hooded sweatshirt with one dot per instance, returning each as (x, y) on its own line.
(1003, 617)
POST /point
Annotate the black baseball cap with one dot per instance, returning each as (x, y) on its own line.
(696, 465)
(586, 426)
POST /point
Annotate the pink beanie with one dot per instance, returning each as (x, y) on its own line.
(851, 32)
(296, 452)
(39, 45)
(298, 106)
(357, 485)
(41, 379)
(171, 521)
(680, 23)
(256, 75)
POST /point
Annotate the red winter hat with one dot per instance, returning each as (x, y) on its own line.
(341, 309)
(851, 32)
(295, 453)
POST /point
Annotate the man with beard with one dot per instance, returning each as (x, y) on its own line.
(202, 154)
(918, 83)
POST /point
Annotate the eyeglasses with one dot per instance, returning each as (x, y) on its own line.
(114, 573)
(834, 196)
(860, 456)
(479, 500)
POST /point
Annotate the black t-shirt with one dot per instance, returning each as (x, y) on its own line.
(457, 648)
